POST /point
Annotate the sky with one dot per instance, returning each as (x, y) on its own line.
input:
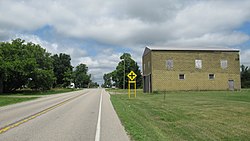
(98, 32)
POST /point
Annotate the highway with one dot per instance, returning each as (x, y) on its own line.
(85, 115)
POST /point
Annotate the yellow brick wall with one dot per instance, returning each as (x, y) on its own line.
(195, 79)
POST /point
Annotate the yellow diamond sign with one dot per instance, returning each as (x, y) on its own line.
(131, 75)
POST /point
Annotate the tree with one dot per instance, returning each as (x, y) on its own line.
(62, 69)
(80, 76)
(107, 80)
(19, 62)
(119, 74)
(245, 77)
(14, 65)
(41, 79)
(93, 85)
(1, 68)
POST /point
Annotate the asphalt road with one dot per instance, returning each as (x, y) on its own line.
(86, 115)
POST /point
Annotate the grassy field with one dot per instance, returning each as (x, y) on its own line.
(26, 95)
(5, 100)
(206, 115)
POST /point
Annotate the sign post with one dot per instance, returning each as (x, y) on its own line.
(132, 80)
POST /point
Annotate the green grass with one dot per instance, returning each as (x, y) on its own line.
(29, 92)
(205, 115)
(4, 100)
(25, 95)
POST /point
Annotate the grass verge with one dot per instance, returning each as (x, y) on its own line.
(29, 92)
(4, 100)
(25, 95)
(207, 115)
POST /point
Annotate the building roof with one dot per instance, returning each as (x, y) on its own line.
(162, 48)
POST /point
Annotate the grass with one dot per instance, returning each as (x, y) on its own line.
(25, 95)
(4, 100)
(28, 92)
(204, 115)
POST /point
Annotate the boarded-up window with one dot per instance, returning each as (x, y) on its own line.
(181, 76)
(198, 64)
(148, 64)
(170, 64)
(223, 64)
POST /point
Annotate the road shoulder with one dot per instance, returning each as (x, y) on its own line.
(111, 127)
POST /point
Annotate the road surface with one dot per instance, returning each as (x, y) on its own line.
(85, 115)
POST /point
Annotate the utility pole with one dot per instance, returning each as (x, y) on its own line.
(124, 73)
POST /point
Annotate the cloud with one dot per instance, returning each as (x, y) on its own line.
(210, 16)
(105, 62)
(122, 26)
(4, 34)
(55, 48)
(126, 22)
(212, 39)
(245, 57)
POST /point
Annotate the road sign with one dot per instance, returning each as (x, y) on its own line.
(131, 75)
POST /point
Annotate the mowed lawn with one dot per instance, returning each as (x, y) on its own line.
(25, 95)
(205, 115)
(6, 100)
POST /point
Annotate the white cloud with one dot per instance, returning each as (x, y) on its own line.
(126, 22)
(50, 47)
(131, 24)
(245, 54)
(212, 39)
(105, 62)
(210, 16)
(55, 48)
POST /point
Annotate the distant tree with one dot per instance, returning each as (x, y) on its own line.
(114, 77)
(107, 80)
(81, 77)
(93, 85)
(117, 75)
(245, 76)
(62, 69)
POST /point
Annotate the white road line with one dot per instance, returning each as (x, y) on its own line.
(98, 127)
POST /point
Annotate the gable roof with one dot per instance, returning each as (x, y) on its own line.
(146, 51)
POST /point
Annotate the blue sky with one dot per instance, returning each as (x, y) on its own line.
(97, 32)
(245, 28)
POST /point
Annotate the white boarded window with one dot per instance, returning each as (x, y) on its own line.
(223, 64)
(181, 76)
(211, 76)
(198, 64)
(170, 64)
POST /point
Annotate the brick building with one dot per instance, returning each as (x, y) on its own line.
(169, 69)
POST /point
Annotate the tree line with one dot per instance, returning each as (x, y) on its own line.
(28, 65)
(116, 77)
